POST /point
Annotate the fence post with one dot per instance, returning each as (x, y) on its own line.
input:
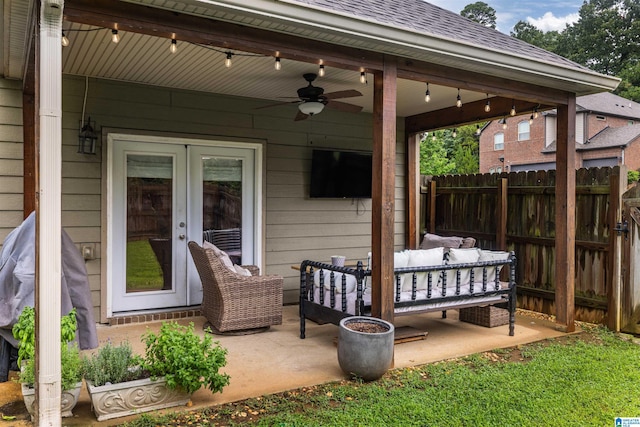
(617, 185)
(501, 215)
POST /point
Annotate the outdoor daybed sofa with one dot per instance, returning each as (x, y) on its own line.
(436, 279)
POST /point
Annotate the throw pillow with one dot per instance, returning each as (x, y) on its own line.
(241, 270)
(493, 271)
(431, 241)
(222, 255)
(423, 257)
(468, 242)
(461, 256)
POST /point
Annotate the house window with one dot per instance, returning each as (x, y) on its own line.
(524, 131)
(492, 170)
(601, 118)
(631, 123)
(498, 141)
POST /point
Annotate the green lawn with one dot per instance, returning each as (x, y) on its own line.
(587, 379)
(143, 269)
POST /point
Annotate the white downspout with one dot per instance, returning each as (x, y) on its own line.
(48, 247)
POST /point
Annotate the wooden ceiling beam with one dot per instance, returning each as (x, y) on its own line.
(452, 77)
(470, 112)
(224, 35)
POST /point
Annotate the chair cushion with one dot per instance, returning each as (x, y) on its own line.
(461, 256)
(492, 272)
(423, 257)
(468, 242)
(337, 278)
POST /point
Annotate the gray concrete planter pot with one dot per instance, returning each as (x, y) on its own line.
(362, 354)
(132, 397)
(68, 400)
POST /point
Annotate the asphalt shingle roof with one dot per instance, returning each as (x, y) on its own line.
(612, 137)
(610, 104)
(427, 19)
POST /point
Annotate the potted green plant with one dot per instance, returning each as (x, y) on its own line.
(177, 362)
(70, 362)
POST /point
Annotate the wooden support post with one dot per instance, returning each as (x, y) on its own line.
(30, 124)
(432, 207)
(565, 216)
(413, 190)
(383, 191)
(501, 215)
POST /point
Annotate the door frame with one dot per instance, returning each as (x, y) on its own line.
(107, 275)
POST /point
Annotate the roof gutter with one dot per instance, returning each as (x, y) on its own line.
(366, 34)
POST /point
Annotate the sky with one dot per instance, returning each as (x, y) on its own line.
(546, 15)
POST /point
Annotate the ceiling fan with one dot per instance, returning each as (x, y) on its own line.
(312, 100)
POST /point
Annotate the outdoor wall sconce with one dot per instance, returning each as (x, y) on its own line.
(87, 137)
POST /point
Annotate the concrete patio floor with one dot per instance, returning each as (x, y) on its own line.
(278, 360)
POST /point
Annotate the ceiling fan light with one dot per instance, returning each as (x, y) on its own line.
(311, 107)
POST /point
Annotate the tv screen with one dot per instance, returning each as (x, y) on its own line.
(340, 174)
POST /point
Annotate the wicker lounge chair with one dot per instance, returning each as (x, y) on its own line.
(235, 304)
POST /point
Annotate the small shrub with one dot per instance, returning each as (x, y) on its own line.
(112, 365)
(184, 359)
(633, 176)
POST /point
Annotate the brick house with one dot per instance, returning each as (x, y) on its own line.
(607, 134)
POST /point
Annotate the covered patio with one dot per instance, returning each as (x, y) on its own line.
(193, 72)
(278, 360)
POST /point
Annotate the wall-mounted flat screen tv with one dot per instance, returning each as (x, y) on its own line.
(340, 174)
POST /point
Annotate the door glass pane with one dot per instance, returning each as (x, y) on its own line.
(149, 222)
(222, 204)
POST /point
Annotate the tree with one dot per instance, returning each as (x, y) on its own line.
(481, 13)
(443, 153)
(466, 155)
(606, 38)
(433, 157)
(532, 35)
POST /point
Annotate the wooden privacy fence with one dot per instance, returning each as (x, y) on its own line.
(516, 211)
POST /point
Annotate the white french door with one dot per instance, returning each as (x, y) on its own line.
(164, 192)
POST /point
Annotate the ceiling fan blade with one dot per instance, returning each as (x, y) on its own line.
(343, 106)
(277, 104)
(300, 116)
(350, 93)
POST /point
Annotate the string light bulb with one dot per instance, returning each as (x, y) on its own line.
(531, 119)
(363, 77)
(64, 40)
(427, 94)
(174, 46)
(477, 129)
(115, 37)
(458, 100)
(433, 137)
(535, 113)
(455, 133)
(278, 64)
(227, 60)
(503, 121)
(513, 109)
(487, 106)
(321, 70)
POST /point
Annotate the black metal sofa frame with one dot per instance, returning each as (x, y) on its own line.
(330, 307)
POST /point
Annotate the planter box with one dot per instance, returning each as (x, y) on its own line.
(132, 397)
(488, 316)
(68, 401)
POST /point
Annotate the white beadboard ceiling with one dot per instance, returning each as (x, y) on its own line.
(146, 59)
